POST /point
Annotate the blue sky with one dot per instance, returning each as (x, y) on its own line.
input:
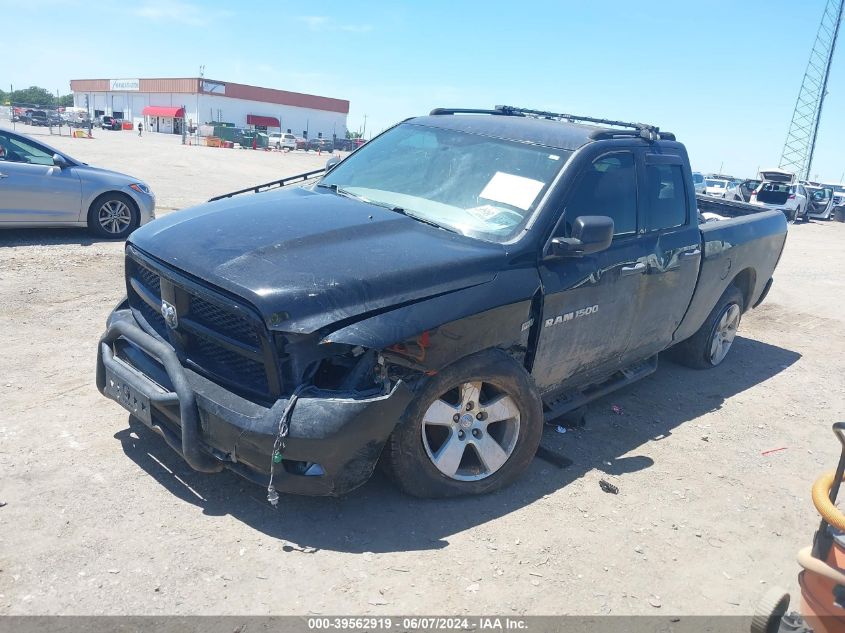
(722, 75)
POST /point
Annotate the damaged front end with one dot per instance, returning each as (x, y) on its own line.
(335, 431)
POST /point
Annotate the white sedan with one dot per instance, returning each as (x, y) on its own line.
(716, 187)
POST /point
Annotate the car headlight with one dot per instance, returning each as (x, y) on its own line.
(141, 188)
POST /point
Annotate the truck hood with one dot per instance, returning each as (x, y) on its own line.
(308, 260)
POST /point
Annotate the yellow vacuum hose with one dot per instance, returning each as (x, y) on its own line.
(821, 499)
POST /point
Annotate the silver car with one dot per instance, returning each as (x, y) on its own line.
(41, 187)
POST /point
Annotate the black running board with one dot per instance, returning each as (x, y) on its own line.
(571, 400)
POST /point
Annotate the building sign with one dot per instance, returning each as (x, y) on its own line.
(124, 85)
(213, 87)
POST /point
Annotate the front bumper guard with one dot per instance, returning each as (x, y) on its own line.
(341, 432)
(183, 394)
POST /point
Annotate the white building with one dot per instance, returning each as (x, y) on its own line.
(165, 105)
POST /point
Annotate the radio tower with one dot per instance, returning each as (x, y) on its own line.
(804, 127)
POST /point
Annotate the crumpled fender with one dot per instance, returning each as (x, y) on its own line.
(435, 332)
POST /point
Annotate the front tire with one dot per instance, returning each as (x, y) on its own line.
(709, 346)
(472, 428)
(113, 216)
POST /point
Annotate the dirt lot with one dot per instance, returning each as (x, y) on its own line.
(104, 518)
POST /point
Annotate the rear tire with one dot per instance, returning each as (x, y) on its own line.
(709, 346)
(472, 428)
(113, 216)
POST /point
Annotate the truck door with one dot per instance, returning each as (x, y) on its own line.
(589, 301)
(670, 236)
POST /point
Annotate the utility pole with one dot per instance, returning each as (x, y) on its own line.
(364, 133)
(199, 89)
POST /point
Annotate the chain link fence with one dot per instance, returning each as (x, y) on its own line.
(38, 120)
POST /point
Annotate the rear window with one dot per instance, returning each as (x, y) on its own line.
(776, 187)
(667, 200)
(715, 183)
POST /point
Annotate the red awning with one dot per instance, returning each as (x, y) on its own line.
(176, 113)
(266, 121)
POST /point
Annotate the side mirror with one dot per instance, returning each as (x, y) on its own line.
(59, 161)
(332, 162)
(590, 234)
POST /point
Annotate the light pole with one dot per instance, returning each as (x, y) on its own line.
(364, 133)
(199, 89)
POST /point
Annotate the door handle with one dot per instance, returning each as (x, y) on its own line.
(637, 269)
(688, 254)
(4, 175)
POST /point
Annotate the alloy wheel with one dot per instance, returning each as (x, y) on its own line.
(114, 216)
(470, 431)
(725, 333)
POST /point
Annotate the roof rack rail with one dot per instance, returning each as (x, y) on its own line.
(642, 130)
(439, 111)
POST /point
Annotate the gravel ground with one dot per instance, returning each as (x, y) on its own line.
(102, 518)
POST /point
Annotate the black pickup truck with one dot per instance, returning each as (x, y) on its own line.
(429, 301)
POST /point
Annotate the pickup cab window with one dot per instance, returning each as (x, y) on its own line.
(607, 187)
(667, 198)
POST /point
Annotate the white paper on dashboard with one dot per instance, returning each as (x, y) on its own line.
(517, 191)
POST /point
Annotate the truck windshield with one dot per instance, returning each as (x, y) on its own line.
(476, 185)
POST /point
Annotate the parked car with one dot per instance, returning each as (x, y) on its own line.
(41, 186)
(110, 123)
(321, 145)
(838, 195)
(819, 202)
(282, 141)
(36, 118)
(746, 188)
(790, 199)
(348, 144)
(732, 190)
(532, 274)
(715, 187)
(301, 143)
(698, 182)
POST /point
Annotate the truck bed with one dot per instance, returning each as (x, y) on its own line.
(727, 208)
(743, 249)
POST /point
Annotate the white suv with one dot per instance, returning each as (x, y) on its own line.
(777, 191)
(282, 141)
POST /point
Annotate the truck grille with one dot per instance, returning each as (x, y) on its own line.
(219, 337)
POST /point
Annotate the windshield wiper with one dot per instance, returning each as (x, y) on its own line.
(413, 216)
(341, 191)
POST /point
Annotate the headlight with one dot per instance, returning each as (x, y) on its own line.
(141, 188)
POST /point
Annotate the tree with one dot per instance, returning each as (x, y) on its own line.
(34, 95)
(3, 97)
(353, 134)
(65, 101)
